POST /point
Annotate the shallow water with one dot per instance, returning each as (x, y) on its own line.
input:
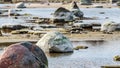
(94, 57)
(110, 14)
(98, 54)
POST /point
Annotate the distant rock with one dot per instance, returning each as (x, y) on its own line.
(62, 15)
(55, 42)
(23, 55)
(109, 26)
(20, 5)
(76, 11)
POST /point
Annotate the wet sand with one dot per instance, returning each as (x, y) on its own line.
(89, 36)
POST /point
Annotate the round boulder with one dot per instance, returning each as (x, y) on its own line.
(23, 55)
(55, 42)
(20, 5)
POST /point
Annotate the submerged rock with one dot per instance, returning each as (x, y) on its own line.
(81, 47)
(23, 55)
(55, 42)
(20, 5)
(76, 11)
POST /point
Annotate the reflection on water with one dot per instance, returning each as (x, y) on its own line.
(53, 55)
(93, 57)
(95, 42)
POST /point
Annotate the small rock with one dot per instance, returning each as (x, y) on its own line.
(117, 58)
(98, 6)
(20, 5)
(81, 47)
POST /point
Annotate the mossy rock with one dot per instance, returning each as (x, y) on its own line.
(80, 47)
(117, 58)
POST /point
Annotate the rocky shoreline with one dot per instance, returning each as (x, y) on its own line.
(52, 5)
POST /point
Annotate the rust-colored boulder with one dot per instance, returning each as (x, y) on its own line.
(23, 55)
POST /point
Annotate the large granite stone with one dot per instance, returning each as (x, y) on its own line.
(55, 42)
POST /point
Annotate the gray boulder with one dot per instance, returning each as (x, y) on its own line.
(109, 26)
(55, 42)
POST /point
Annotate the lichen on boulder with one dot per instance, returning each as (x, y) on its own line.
(55, 42)
(23, 55)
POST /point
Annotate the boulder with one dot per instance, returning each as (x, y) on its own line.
(55, 42)
(109, 26)
(98, 6)
(23, 55)
(20, 5)
(62, 15)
